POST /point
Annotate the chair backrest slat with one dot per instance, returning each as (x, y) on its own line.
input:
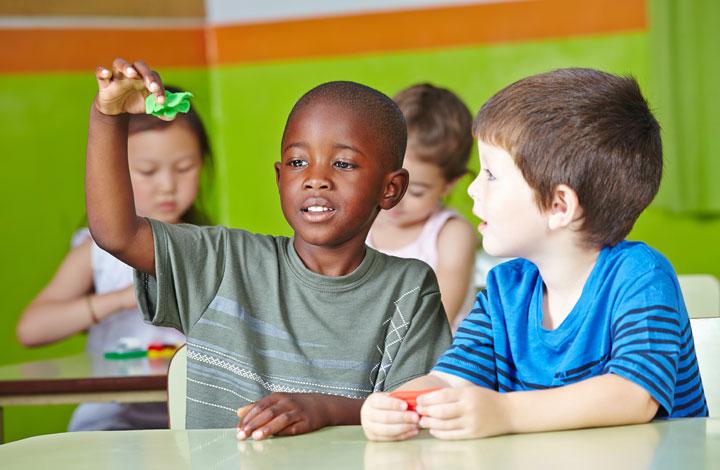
(177, 388)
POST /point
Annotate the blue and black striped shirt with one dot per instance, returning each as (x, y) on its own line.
(630, 321)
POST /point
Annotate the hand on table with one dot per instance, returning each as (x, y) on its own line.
(282, 414)
(385, 418)
(464, 413)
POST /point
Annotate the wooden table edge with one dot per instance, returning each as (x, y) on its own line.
(87, 385)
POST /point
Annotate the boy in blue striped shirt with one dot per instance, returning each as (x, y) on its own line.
(583, 328)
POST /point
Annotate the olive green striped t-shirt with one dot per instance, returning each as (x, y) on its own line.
(258, 321)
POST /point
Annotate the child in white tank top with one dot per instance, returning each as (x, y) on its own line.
(439, 144)
(93, 291)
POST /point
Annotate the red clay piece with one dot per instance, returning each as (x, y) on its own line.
(410, 396)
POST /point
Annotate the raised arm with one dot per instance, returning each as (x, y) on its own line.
(113, 221)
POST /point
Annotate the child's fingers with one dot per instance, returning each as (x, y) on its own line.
(261, 413)
(152, 80)
(440, 424)
(392, 432)
(276, 425)
(121, 68)
(412, 433)
(392, 417)
(103, 76)
(251, 423)
(445, 395)
(241, 412)
(255, 409)
(442, 411)
(383, 401)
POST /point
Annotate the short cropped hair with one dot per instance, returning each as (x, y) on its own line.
(378, 110)
(439, 127)
(590, 130)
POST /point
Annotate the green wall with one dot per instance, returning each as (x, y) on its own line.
(43, 125)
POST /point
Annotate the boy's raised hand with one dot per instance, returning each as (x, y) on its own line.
(464, 413)
(385, 418)
(124, 88)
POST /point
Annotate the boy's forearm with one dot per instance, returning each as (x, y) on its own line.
(114, 225)
(605, 400)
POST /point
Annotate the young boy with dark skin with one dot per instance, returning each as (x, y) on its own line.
(584, 328)
(289, 335)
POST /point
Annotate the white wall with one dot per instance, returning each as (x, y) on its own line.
(255, 11)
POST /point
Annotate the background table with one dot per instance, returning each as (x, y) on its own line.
(82, 378)
(686, 444)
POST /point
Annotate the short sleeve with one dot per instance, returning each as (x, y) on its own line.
(471, 355)
(426, 338)
(646, 337)
(189, 264)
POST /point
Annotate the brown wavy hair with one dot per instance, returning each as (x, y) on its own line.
(439, 127)
(587, 129)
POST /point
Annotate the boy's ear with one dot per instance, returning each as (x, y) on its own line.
(565, 207)
(396, 184)
(277, 172)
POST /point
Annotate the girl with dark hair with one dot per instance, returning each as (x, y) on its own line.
(93, 291)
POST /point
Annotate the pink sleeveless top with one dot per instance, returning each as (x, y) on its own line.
(425, 248)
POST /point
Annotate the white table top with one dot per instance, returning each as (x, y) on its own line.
(678, 444)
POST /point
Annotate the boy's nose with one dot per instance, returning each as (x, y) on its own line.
(317, 181)
(473, 189)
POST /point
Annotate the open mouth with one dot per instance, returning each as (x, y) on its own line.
(317, 210)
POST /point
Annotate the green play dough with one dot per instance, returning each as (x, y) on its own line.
(174, 103)
(120, 355)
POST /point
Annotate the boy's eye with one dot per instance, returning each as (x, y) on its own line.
(416, 193)
(343, 165)
(297, 163)
(489, 174)
(146, 172)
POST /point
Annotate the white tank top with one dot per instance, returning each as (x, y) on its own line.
(109, 275)
(425, 248)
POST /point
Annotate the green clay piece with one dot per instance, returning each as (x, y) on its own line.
(135, 354)
(174, 103)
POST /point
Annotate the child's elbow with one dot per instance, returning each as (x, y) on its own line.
(25, 336)
(107, 242)
(637, 405)
(648, 409)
